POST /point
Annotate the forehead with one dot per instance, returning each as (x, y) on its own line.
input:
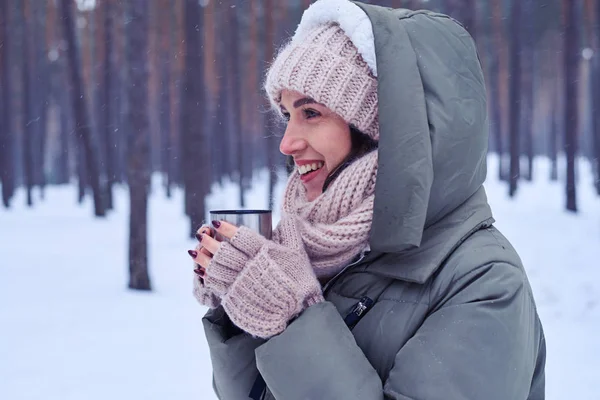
(289, 96)
(293, 99)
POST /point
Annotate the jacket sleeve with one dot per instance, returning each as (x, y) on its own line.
(476, 345)
(232, 356)
(479, 342)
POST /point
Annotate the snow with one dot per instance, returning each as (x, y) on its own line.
(72, 330)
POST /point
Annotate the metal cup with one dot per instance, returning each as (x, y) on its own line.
(257, 220)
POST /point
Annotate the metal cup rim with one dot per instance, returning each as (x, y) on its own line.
(240, 212)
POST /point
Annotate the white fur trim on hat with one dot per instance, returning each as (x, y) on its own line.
(350, 17)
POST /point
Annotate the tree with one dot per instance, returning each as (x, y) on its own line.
(596, 96)
(107, 96)
(497, 62)
(57, 102)
(555, 117)
(515, 95)
(40, 81)
(80, 108)
(235, 98)
(269, 126)
(164, 104)
(177, 41)
(28, 117)
(527, 84)
(6, 132)
(138, 159)
(571, 122)
(194, 147)
(224, 165)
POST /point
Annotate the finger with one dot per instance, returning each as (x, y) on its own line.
(203, 250)
(200, 271)
(210, 244)
(204, 230)
(200, 258)
(225, 228)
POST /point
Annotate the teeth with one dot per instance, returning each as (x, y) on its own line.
(309, 167)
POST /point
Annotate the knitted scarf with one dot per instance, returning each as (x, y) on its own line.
(335, 226)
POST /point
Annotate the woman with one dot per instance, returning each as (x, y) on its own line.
(385, 277)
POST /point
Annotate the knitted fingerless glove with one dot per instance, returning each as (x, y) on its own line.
(225, 268)
(263, 284)
(204, 295)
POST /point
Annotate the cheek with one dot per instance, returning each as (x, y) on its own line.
(340, 146)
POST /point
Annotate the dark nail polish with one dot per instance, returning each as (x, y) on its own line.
(199, 271)
(199, 236)
(216, 224)
(193, 253)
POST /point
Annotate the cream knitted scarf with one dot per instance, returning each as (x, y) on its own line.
(335, 226)
(262, 283)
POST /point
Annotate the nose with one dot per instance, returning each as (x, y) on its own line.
(293, 141)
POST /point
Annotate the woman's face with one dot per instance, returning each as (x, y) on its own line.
(317, 138)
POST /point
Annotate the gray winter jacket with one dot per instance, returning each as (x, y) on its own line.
(447, 311)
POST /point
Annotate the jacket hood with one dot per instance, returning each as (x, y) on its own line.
(433, 124)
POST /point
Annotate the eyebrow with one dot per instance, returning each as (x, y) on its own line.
(303, 101)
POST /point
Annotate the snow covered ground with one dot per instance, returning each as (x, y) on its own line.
(70, 329)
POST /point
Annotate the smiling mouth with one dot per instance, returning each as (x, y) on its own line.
(308, 168)
(308, 171)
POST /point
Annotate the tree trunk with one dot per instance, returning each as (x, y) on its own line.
(176, 94)
(107, 118)
(120, 101)
(554, 128)
(163, 20)
(41, 98)
(527, 65)
(571, 121)
(6, 131)
(138, 160)
(497, 56)
(226, 162)
(82, 120)
(64, 129)
(59, 172)
(596, 97)
(210, 78)
(269, 128)
(194, 149)
(235, 100)
(28, 122)
(69, 153)
(515, 96)
(165, 122)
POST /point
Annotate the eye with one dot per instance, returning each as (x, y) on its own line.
(310, 113)
(286, 115)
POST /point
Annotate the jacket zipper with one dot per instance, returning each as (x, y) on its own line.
(358, 311)
(363, 305)
(335, 277)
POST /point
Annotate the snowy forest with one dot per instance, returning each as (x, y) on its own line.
(109, 92)
(124, 101)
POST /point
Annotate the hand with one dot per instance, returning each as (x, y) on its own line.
(208, 245)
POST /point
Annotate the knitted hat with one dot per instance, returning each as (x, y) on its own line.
(326, 66)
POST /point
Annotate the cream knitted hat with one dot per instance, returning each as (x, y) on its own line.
(326, 66)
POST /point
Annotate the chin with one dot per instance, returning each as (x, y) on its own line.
(310, 196)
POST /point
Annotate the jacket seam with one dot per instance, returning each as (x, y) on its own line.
(429, 14)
